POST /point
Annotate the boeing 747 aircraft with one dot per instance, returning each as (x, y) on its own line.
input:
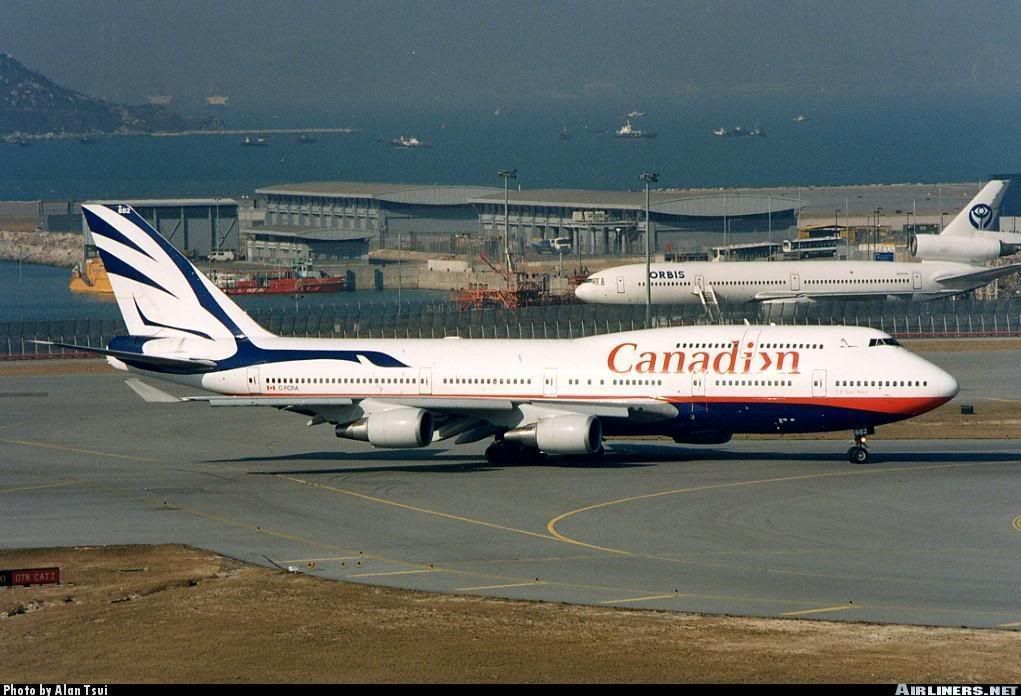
(695, 384)
(710, 283)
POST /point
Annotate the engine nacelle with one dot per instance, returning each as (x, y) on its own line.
(397, 428)
(568, 434)
(704, 437)
(974, 249)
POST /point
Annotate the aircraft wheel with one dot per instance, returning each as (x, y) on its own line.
(496, 453)
(858, 455)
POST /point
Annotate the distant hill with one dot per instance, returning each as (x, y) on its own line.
(32, 104)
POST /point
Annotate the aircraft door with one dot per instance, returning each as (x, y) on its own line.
(916, 280)
(699, 283)
(549, 382)
(795, 281)
(425, 381)
(620, 285)
(253, 380)
(749, 341)
(818, 382)
(698, 386)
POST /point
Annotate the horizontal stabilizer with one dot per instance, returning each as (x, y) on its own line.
(141, 359)
(980, 277)
(150, 393)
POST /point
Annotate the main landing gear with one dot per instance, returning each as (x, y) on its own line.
(509, 453)
(859, 452)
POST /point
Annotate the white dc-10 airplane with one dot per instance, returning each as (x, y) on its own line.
(695, 384)
(775, 282)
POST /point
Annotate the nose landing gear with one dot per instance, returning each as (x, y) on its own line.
(859, 452)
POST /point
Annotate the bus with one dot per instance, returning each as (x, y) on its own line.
(812, 248)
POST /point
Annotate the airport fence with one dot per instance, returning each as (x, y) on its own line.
(411, 320)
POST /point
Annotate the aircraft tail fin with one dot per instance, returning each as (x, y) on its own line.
(159, 292)
(980, 213)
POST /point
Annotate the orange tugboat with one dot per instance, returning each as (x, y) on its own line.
(92, 280)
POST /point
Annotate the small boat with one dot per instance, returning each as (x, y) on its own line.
(629, 132)
(249, 141)
(406, 142)
(306, 139)
(739, 132)
(565, 134)
(87, 140)
(800, 118)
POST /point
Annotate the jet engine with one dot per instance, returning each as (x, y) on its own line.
(567, 434)
(398, 428)
(939, 247)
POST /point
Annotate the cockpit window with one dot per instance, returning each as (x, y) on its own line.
(883, 342)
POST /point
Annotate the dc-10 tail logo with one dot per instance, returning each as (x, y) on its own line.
(980, 216)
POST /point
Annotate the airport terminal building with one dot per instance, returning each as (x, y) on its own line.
(196, 226)
(597, 222)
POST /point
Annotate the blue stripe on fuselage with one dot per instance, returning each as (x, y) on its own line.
(251, 355)
(777, 417)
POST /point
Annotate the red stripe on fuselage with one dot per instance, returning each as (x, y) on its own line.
(888, 405)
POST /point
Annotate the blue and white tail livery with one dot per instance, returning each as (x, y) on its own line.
(159, 292)
(697, 384)
(951, 267)
(971, 237)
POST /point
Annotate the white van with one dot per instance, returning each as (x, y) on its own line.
(221, 255)
(561, 244)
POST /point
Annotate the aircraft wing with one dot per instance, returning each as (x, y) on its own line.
(647, 409)
(821, 295)
(966, 281)
(480, 409)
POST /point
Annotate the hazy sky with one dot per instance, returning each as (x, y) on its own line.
(356, 57)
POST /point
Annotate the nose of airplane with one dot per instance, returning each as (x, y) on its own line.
(586, 292)
(945, 383)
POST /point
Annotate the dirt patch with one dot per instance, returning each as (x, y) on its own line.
(960, 345)
(177, 614)
(44, 368)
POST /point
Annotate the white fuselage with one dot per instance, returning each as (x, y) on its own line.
(766, 281)
(737, 378)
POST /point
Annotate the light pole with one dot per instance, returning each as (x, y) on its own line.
(875, 237)
(506, 174)
(648, 177)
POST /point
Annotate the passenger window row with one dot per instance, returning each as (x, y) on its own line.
(881, 383)
(343, 380)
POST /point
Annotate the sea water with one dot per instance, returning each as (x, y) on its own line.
(842, 142)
